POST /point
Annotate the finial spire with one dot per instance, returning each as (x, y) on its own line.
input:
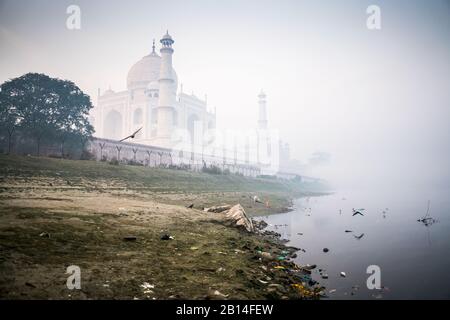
(153, 46)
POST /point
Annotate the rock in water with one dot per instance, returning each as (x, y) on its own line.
(237, 217)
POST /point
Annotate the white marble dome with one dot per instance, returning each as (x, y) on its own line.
(154, 85)
(146, 71)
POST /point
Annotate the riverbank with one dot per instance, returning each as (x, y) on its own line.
(110, 220)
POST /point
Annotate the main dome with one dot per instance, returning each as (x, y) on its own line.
(145, 71)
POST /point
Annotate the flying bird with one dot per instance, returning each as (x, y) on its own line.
(359, 237)
(131, 135)
(355, 212)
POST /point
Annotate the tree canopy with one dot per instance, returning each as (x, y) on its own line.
(39, 106)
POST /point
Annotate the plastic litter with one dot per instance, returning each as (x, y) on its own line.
(166, 237)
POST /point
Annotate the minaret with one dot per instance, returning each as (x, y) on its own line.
(262, 120)
(263, 143)
(166, 101)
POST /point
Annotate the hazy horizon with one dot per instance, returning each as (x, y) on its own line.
(376, 100)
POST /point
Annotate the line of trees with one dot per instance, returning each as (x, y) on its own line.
(44, 110)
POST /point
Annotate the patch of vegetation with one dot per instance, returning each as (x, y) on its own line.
(158, 179)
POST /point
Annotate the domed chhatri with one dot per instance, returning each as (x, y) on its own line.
(167, 40)
(146, 71)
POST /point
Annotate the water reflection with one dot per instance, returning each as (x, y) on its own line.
(385, 234)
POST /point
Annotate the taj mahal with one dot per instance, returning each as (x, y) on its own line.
(158, 114)
(152, 102)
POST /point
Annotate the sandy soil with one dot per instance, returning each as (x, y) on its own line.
(48, 223)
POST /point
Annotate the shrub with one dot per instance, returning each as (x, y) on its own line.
(212, 169)
(86, 155)
(114, 161)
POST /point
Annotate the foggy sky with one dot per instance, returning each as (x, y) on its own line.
(377, 101)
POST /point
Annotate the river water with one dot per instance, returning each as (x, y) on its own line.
(414, 259)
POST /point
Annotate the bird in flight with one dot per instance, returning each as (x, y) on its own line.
(359, 237)
(355, 212)
(131, 135)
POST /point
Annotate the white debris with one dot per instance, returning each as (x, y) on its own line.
(237, 216)
(219, 294)
(147, 288)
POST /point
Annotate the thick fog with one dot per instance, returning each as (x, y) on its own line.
(374, 103)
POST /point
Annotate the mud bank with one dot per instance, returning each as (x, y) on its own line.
(133, 243)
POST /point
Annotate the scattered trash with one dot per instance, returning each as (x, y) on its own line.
(310, 267)
(265, 255)
(130, 238)
(332, 291)
(29, 284)
(326, 250)
(262, 281)
(166, 236)
(193, 248)
(306, 292)
(147, 288)
(348, 231)
(343, 275)
(44, 235)
(427, 220)
(324, 276)
(300, 233)
(219, 294)
(275, 285)
(190, 206)
(220, 269)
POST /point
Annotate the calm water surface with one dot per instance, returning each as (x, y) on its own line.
(414, 259)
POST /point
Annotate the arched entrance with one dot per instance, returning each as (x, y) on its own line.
(113, 126)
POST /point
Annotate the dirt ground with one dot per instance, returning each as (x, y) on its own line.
(49, 222)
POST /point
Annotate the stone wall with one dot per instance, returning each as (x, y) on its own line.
(133, 153)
